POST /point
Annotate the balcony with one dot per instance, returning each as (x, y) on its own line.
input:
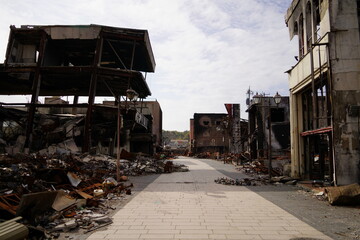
(300, 74)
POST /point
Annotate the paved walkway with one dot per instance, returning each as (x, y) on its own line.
(191, 206)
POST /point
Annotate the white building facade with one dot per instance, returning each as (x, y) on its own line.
(325, 90)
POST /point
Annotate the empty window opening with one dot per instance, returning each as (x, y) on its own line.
(322, 106)
(309, 30)
(301, 37)
(277, 115)
(317, 19)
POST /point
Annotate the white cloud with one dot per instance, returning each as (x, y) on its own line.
(208, 52)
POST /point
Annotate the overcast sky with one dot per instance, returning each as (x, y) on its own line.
(207, 52)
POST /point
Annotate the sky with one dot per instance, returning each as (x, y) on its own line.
(207, 52)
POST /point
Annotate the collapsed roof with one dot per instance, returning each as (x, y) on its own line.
(68, 57)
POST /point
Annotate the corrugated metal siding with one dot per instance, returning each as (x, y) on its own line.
(11, 230)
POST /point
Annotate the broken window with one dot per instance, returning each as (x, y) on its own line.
(70, 52)
(308, 20)
(23, 53)
(322, 105)
(318, 156)
(277, 114)
(317, 19)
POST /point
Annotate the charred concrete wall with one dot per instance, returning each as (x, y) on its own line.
(259, 127)
(345, 67)
(153, 108)
(191, 136)
(211, 133)
(329, 33)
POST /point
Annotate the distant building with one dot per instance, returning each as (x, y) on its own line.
(211, 133)
(325, 90)
(269, 129)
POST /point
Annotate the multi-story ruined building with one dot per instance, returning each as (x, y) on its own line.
(219, 132)
(211, 133)
(82, 60)
(325, 90)
(269, 129)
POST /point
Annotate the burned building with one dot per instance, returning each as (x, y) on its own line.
(82, 60)
(238, 129)
(219, 132)
(269, 128)
(211, 133)
(153, 110)
(325, 90)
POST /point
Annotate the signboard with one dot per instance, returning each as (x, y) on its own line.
(141, 119)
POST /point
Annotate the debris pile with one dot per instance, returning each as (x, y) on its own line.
(59, 192)
(283, 180)
(256, 167)
(230, 158)
(240, 182)
(259, 175)
(143, 165)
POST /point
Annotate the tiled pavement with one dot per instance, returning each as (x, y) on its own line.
(191, 206)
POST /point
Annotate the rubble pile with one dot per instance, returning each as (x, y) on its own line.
(61, 192)
(259, 175)
(143, 165)
(225, 157)
(256, 167)
(240, 182)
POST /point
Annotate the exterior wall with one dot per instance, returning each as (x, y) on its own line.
(211, 133)
(153, 108)
(244, 126)
(259, 128)
(236, 145)
(345, 66)
(296, 143)
(337, 57)
(192, 137)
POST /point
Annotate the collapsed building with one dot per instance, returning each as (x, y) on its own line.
(218, 132)
(269, 130)
(325, 91)
(78, 61)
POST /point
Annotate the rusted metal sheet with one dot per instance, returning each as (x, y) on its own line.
(316, 131)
